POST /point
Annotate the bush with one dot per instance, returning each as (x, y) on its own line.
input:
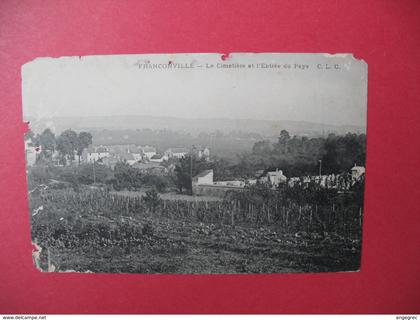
(158, 182)
(152, 199)
(38, 175)
(126, 177)
(147, 229)
(85, 173)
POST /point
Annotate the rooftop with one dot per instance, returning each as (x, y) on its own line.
(203, 173)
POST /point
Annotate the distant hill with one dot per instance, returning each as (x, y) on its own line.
(267, 128)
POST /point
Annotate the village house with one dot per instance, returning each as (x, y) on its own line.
(148, 151)
(137, 152)
(127, 153)
(127, 157)
(203, 184)
(274, 178)
(202, 153)
(177, 153)
(158, 158)
(94, 154)
(204, 178)
(205, 154)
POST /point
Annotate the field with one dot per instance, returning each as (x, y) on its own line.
(97, 231)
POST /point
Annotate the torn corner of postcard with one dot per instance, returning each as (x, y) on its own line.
(196, 163)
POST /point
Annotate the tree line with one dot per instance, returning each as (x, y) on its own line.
(68, 144)
(298, 156)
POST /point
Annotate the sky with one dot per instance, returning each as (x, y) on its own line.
(330, 89)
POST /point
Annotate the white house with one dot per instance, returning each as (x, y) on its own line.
(203, 153)
(94, 154)
(275, 177)
(148, 151)
(205, 177)
(206, 153)
(128, 157)
(203, 184)
(176, 153)
(136, 152)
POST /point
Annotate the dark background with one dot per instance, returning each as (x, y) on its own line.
(384, 33)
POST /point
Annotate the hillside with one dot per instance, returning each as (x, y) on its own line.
(266, 128)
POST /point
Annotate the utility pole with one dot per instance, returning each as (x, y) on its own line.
(191, 166)
(320, 167)
(94, 174)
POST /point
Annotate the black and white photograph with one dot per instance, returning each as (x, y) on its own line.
(199, 163)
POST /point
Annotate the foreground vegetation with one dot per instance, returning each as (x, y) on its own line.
(257, 231)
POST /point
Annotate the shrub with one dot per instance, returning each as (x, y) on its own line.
(147, 229)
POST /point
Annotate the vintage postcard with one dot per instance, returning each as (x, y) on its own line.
(196, 163)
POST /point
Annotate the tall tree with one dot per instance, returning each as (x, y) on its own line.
(47, 142)
(284, 137)
(281, 146)
(262, 148)
(183, 174)
(67, 144)
(152, 200)
(127, 177)
(84, 140)
(187, 168)
(342, 152)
